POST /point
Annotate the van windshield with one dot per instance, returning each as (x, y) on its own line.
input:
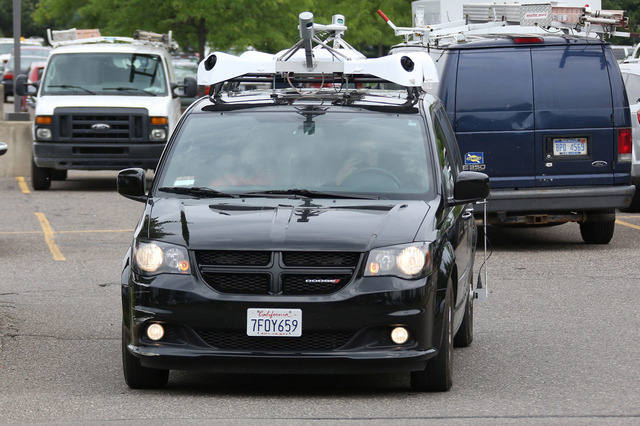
(128, 74)
(260, 152)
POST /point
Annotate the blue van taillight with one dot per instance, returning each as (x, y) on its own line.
(624, 144)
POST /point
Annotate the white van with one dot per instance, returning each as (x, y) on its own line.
(104, 103)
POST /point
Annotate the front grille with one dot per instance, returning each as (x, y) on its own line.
(309, 341)
(277, 273)
(303, 284)
(230, 258)
(238, 283)
(301, 258)
(104, 125)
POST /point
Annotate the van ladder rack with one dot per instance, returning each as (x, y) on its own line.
(481, 18)
(74, 36)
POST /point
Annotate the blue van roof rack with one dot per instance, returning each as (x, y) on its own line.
(486, 18)
(316, 61)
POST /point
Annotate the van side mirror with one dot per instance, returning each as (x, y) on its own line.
(132, 183)
(21, 85)
(190, 87)
(469, 187)
(3, 148)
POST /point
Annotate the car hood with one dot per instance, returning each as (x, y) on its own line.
(284, 224)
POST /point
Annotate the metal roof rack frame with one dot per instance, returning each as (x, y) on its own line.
(484, 18)
(74, 36)
(314, 60)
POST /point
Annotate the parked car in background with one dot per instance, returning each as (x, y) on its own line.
(546, 117)
(631, 77)
(185, 67)
(621, 52)
(8, 77)
(7, 45)
(34, 74)
(104, 103)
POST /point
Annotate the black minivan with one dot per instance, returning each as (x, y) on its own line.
(547, 118)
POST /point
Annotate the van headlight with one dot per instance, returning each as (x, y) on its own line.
(156, 257)
(404, 261)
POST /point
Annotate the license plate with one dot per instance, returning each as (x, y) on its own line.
(274, 322)
(570, 146)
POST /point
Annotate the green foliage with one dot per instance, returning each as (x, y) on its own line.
(28, 27)
(268, 25)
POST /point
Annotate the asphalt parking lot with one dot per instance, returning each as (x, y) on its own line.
(555, 343)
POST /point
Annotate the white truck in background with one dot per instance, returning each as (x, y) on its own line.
(104, 103)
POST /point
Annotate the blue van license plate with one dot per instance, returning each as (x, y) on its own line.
(570, 146)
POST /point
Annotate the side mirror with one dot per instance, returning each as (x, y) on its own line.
(21, 85)
(132, 183)
(470, 186)
(190, 87)
(3, 148)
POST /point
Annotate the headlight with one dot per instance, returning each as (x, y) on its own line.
(158, 258)
(158, 134)
(404, 261)
(43, 133)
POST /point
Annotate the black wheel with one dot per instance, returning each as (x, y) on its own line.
(369, 177)
(138, 377)
(597, 232)
(437, 376)
(58, 174)
(40, 177)
(464, 336)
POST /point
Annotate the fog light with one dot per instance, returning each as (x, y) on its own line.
(155, 331)
(399, 335)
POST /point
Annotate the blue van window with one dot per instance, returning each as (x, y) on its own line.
(494, 90)
(570, 83)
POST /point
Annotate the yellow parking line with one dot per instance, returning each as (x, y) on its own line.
(48, 236)
(23, 185)
(630, 225)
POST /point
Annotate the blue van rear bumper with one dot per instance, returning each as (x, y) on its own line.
(554, 200)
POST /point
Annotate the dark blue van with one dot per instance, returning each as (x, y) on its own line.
(547, 118)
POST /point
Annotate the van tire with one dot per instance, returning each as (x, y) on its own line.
(464, 336)
(138, 377)
(600, 232)
(40, 177)
(437, 375)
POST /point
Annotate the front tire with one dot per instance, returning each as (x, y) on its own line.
(138, 377)
(40, 177)
(437, 375)
(464, 336)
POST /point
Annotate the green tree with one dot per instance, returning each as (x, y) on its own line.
(28, 26)
(269, 25)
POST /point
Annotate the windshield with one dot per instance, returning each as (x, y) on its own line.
(370, 154)
(105, 74)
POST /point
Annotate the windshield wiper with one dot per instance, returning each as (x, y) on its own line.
(197, 191)
(127, 89)
(68, 86)
(311, 194)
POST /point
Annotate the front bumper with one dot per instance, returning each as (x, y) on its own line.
(344, 332)
(96, 156)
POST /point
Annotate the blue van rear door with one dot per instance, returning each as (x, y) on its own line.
(575, 139)
(494, 120)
